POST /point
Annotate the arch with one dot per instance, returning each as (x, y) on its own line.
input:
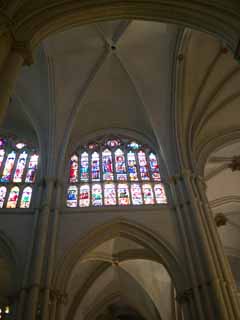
(129, 230)
(35, 22)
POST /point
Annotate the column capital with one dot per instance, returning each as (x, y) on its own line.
(25, 50)
(185, 173)
(59, 296)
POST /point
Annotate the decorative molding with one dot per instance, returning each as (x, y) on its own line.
(220, 220)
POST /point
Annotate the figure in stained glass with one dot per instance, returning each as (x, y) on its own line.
(123, 194)
(84, 168)
(2, 153)
(132, 166)
(7, 172)
(109, 194)
(73, 172)
(97, 195)
(3, 191)
(95, 167)
(84, 196)
(2, 142)
(26, 197)
(20, 167)
(154, 167)
(143, 166)
(148, 194)
(72, 197)
(160, 193)
(107, 165)
(120, 165)
(134, 145)
(136, 194)
(13, 198)
(113, 143)
(32, 169)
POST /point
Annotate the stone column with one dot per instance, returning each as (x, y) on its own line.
(5, 47)
(213, 291)
(10, 68)
(60, 309)
(32, 301)
(51, 253)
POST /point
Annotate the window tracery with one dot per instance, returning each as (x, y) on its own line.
(114, 171)
(18, 170)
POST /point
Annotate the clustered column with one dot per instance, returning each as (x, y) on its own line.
(213, 294)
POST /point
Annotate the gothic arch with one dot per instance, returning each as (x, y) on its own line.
(36, 21)
(129, 230)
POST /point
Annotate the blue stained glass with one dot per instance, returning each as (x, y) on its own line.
(132, 166)
(97, 195)
(120, 165)
(84, 168)
(21, 164)
(95, 167)
(154, 167)
(143, 166)
(134, 145)
(107, 165)
(113, 143)
(7, 172)
(109, 194)
(32, 169)
(72, 197)
(84, 196)
(3, 142)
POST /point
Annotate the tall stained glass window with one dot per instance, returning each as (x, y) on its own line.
(114, 171)
(18, 171)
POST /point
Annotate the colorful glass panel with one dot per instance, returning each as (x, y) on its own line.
(32, 169)
(72, 197)
(97, 195)
(95, 167)
(84, 196)
(113, 143)
(2, 153)
(84, 168)
(136, 193)
(134, 145)
(3, 142)
(20, 145)
(3, 191)
(109, 194)
(148, 194)
(7, 172)
(13, 198)
(21, 164)
(132, 166)
(143, 166)
(26, 197)
(154, 167)
(123, 194)
(160, 193)
(120, 165)
(73, 172)
(107, 165)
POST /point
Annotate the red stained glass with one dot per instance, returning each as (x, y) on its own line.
(32, 169)
(109, 194)
(107, 165)
(148, 194)
(143, 166)
(13, 198)
(95, 167)
(73, 173)
(154, 167)
(160, 193)
(21, 164)
(120, 165)
(136, 194)
(132, 166)
(84, 196)
(123, 194)
(7, 172)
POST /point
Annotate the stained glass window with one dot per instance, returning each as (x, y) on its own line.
(7, 172)
(84, 196)
(18, 169)
(3, 191)
(143, 166)
(107, 165)
(73, 174)
(148, 194)
(132, 166)
(136, 194)
(120, 165)
(26, 197)
(32, 169)
(13, 197)
(115, 171)
(72, 196)
(97, 195)
(95, 167)
(123, 194)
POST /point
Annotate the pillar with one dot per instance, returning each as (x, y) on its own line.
(60, 308)
(213, 290)
(11, 60)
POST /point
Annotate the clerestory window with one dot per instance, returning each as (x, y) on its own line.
(18, 170)
(114, 171)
